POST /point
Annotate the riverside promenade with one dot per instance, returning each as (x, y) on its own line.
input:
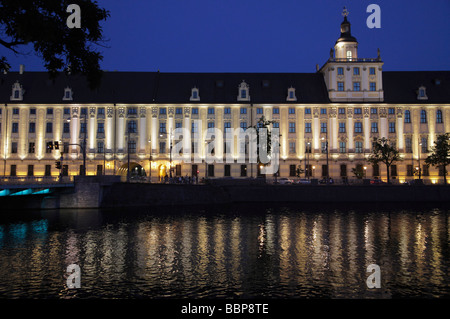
(98, 192)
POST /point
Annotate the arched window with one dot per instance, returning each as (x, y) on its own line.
(423, 116)
(439, 116)
(407, 116)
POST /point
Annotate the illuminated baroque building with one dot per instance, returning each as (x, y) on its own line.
(346, 103)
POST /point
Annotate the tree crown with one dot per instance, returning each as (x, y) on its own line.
(40, 26)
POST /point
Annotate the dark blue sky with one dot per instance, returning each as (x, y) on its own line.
(265, 35)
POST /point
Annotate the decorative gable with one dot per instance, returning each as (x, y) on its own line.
(291, 94)
(17, 92)
(243, 93)
(68, 94)
(195, 96)
(422, 93)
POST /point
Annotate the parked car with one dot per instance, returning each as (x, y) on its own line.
(324, 181)
(303, 181)
(376, 182)
(284, 181)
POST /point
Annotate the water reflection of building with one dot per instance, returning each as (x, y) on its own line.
(297, 254)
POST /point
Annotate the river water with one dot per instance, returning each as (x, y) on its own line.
(246, 251)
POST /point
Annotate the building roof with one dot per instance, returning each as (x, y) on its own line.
(155, 87)
(402, 86)
(175, 88)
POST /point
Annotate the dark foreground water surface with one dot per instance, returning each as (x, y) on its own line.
(226, 252)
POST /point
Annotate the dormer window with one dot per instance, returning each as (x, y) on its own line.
(17, 92)
(291, 94)
(243, 92)
(195, 95)
(67, 94)
(422, 93)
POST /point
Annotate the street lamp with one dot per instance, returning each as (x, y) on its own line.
(206, 164)
(365, 170)
(328, 168)
(420, 145)
(83, 147)
(308, 150)
(170, 155)
(84, 144)
(150, 163)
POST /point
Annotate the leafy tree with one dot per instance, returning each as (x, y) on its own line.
(299, 171)
(263, 123)
(385, 153)
(358, 171)
(41, 26)
(440, 155)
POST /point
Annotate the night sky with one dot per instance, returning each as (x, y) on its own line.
(264, 35)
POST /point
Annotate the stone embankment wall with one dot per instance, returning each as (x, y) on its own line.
(104, 192)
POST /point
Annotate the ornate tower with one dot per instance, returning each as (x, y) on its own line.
(348, 77)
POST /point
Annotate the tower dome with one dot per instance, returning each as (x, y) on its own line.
(346, 46)
(346, 35)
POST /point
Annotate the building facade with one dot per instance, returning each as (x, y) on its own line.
(327, 119)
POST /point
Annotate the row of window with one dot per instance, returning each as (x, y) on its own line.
(65, 147)
(132, 127)
(356, 71)
(357, 86)
(243, 110)
(411, 170)
(292, 147)
(48, 170)
(423, 116)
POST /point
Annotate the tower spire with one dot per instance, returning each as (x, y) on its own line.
(345, 13)
(346, 35)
